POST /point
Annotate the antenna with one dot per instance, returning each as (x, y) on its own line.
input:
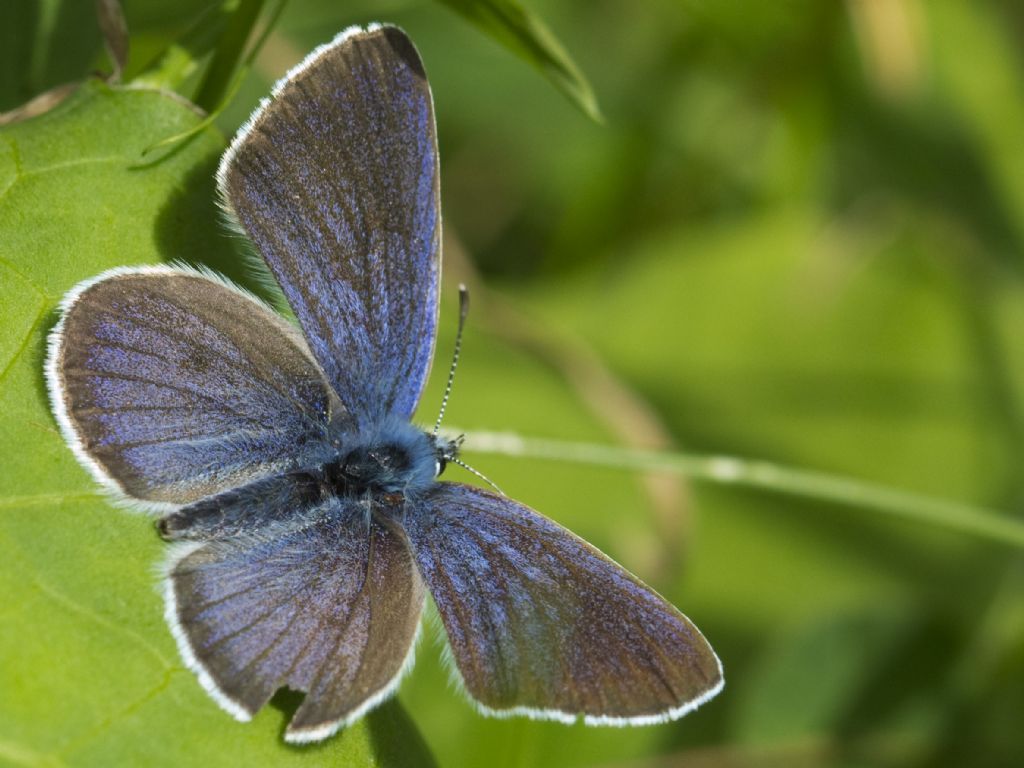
(463, 311)
(454, 444)
(472, 471)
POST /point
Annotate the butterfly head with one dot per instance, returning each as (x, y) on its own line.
(445, 451)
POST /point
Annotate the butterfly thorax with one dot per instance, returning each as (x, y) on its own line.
(394, 457)
(387, 467)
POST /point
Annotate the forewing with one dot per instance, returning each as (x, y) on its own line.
(171, 386)
(329, 604)
(335, 180)
(542, 624)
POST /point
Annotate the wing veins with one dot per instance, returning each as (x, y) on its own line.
(247, 357)
(348, 621)
(467, 627)
(85, 372)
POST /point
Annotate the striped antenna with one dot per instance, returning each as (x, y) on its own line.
(463, 311)
(472, 471)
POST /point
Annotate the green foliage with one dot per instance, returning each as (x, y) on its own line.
(527, 36)
(797, 237)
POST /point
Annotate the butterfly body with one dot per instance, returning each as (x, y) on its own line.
(395, 457)
(304, 508)
(396, 463)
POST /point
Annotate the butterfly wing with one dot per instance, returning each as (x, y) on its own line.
(328, 604)
(335, 180)
(171, 386)
(542, 624)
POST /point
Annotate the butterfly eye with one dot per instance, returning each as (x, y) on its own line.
(439, 466)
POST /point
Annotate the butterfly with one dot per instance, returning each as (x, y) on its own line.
(304, 508)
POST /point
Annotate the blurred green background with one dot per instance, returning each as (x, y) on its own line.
(797, 235)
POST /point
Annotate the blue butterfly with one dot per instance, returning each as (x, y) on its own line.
(304, 508)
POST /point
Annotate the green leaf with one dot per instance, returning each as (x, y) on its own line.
(88, 669)
(228, 54)
(527, 36)
(43, 44)
(175, 52)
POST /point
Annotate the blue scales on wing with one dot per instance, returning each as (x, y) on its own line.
(540, 623)
(327, 602)
(173, 386)
(335, 181)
